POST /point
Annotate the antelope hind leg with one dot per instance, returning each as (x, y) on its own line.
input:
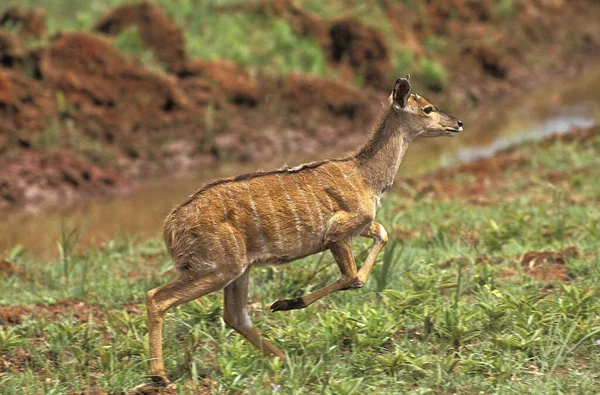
(160, 299)
(236, 316)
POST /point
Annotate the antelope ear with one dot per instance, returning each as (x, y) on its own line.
(401, 93)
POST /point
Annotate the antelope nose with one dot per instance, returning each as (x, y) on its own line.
(460, 124)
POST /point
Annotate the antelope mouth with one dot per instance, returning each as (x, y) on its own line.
(453, 131)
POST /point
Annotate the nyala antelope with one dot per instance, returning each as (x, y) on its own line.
(275, 217)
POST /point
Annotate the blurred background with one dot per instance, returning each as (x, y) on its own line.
(112, 112)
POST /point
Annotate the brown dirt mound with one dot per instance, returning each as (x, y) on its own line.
(12, 49)
(548, 265)
(6, 95)
(491, 62)
(157, 32)
(362, 48)
(462, 11)
(42, 177)
(11, 315)
(349, 43)
(98, 80)
(29, 22)
(302, 93)
(25, 105)
(233, 81)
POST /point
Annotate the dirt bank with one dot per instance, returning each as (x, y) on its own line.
(79, 118)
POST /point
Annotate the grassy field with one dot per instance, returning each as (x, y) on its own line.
(462, 300)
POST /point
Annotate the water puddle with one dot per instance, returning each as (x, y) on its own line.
(569, 117)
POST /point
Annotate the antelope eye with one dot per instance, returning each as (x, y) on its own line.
(428, 110)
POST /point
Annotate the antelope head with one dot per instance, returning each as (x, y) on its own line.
(419, 113)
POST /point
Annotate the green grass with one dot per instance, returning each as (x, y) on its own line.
(433, 74)
(260, 42)
(255, 41)
(448, 308)
(129, 42)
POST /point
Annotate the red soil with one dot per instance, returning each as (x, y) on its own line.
(42, 177)
(156, 31)
(30, 22)
(8, 269)
(348, 43)
(81, 311)
(548, 265)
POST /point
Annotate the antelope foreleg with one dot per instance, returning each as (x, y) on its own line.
(342, 253)
(380, 238)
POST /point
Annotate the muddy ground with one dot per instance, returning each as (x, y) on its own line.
(78, 118)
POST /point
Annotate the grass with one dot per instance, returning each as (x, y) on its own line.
(433, 74)
(260, 42)
(449, 307)
(129, 42)
(255, 41)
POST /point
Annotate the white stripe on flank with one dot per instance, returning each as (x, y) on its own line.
(315, 201)
(345, 176)
(326, 194)
(229, 227)
(232, 233)
(256, 221)
(217, 240)
(308, 206)
(296, 218)
(276, 226)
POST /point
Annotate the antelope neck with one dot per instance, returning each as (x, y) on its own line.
(379, 159)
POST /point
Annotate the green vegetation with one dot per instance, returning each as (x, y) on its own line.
(402, 63)
(254, 40)
(128, 41)
(433, 74)
(505, 8)
(49, 137)
(453, 306)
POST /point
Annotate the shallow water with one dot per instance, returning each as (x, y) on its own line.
(551, 109)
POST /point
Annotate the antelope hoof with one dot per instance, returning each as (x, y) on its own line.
(161, 380)
(288, 304)
(357, 283)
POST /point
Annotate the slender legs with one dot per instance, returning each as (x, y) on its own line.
(342, 253)
(184, 289)
(160, 299)
(349, 277)
(380, 238)
(236, 316)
